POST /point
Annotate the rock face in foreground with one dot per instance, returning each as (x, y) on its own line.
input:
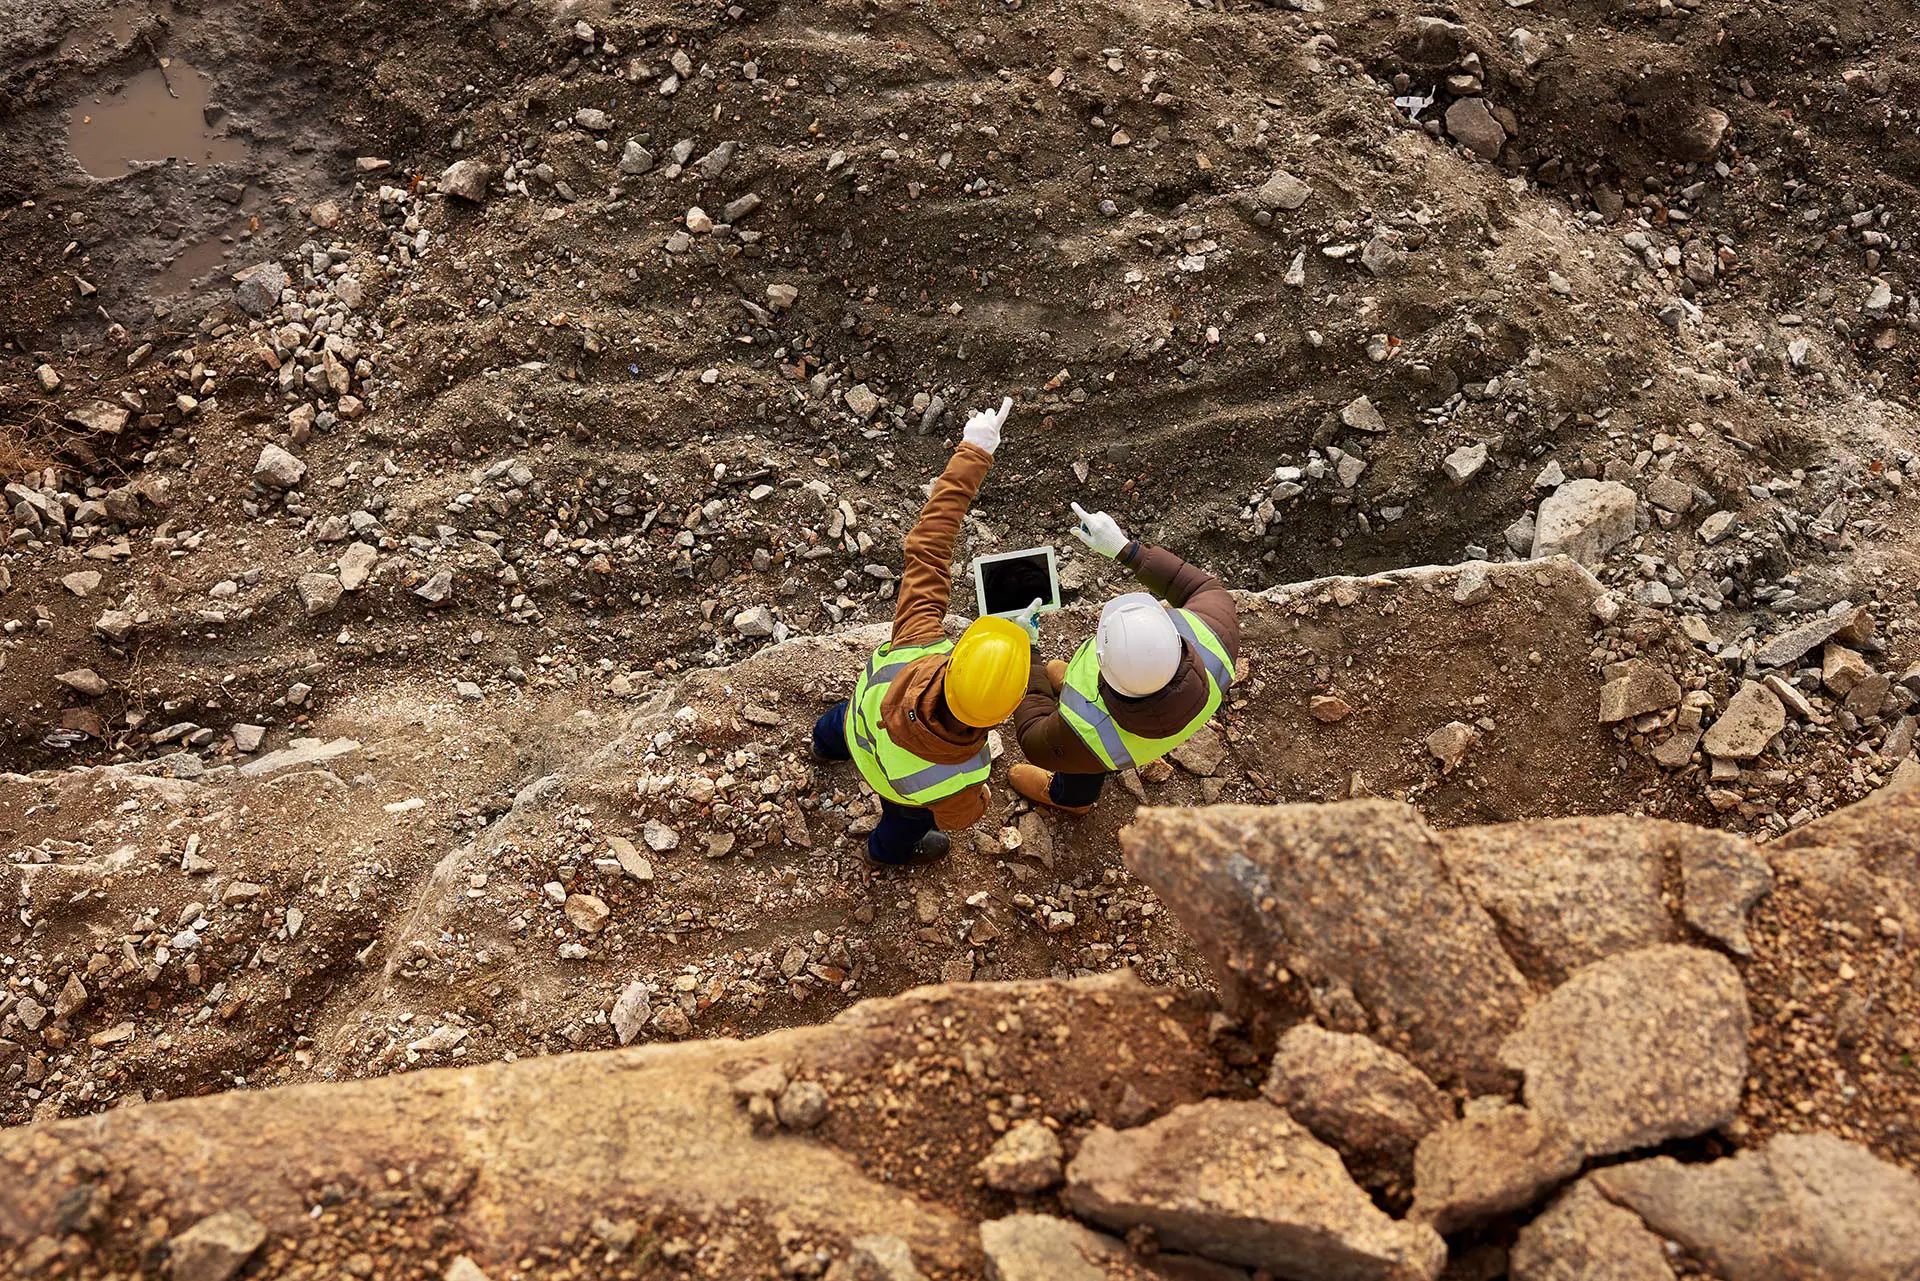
(1432, 943)
(1805, 1205)
(1639, 1048)
(1353, 897)
(1245, 1183)
(506, 1156)
(1362, 1099)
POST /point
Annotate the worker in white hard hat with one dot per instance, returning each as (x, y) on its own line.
(1148, 679)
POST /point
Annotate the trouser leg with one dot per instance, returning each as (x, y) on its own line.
(830, 734)
(1076, 790)
(901, 827)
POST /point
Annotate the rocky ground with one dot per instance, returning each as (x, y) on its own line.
(438, 499)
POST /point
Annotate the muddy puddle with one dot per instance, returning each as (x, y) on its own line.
(157, 115)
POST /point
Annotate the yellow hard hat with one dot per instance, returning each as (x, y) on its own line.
(987, 672)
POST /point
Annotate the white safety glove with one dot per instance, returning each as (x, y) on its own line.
(1029, 619)
(1100, 531)
(983, 428)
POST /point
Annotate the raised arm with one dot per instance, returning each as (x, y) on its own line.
(925, 581)
(1186, 586)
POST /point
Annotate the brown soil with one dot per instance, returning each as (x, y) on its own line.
(572, 413)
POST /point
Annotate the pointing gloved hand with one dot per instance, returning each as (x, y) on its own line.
(1099, 531)
(1029, 619)
(983, 427)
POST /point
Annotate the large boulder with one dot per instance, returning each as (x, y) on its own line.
(1568, 892)
(1352, 897)
(1584, 1237)
(1584, 519)
(1494, 1160)
(1040, 1247)
(1639, 1048)
(1630, 1051)
(1368, 1103)
(1804, 1205)
(1244, 1183)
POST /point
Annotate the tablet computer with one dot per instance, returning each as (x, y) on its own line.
(1007, 582)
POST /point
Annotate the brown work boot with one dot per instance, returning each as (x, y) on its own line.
(1056, 675)
(1035, 784)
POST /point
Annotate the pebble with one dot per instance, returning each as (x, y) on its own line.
(468, 180)
(1464, 463)
(755, 621)
(83, 680)
(278, 469)
(587, 912)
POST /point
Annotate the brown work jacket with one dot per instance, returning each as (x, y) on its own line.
(914, 709)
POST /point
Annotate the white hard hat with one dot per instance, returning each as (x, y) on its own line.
(1138, 648)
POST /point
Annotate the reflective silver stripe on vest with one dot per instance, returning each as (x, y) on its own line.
(1221, 673)
(1095, 715)
(920, 780)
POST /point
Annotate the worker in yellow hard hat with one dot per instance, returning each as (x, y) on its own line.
(917, 722)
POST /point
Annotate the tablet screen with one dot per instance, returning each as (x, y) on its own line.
(1015, 583)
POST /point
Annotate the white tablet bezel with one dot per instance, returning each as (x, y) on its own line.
(1024, 553)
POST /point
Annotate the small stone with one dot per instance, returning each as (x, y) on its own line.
(319, 593)
(437, 589)
(1584, 519)
(1752, 718)
(1203, 754)
(84, 681)
(73, 998)
(862, 401)
(1670, 495)
(593, 120)
(632, 861)
(1329, 709)
(782, 297)
(877, 1258)
(1841, 669)
(802, 1106)
(587, 912)
(1642, 688)
(356, 566)
(1716, 527)
(1027, 1159)
(468, 180)
(1702, 137)
(464, 1269)
(325, 215)
(1463, 464)
(699, 221)
(256, 290)
(49, 377)
(278, 469)
(1450, 743)
(659, 837)
(247, 738)
(1361, 415)
(1471, 125)
(1281, 191)
(216, 1247)
(630, 1012)
(635, 159)
(754, 622)
(1474, 586)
